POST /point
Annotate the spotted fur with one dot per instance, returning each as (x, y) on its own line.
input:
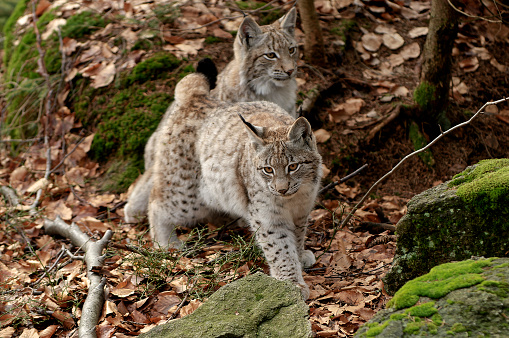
(210, 163)
(264, 64)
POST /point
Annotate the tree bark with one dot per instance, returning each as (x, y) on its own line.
(432, 94)
(314, 50)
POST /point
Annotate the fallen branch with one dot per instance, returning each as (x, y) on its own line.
(93, 259)
(442, 134)
(385, 122)
(10, 195)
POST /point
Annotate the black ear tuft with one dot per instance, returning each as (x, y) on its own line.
(208, 68)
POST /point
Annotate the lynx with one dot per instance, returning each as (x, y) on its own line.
(264, 64)
(262, 165)
(263, 68)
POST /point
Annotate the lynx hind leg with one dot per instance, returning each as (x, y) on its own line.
(137, 204)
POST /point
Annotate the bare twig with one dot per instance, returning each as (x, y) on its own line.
(22, 141)
(442, 134)
(66, 156)
(93, 258)
(346, 178)
(10, 195)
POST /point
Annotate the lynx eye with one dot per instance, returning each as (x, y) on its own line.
(293, 167)
(292, 50)
(271, 55)
(268, 170)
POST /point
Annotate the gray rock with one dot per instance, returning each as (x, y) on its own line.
(462, 299)
(467, 216)
(254, 306)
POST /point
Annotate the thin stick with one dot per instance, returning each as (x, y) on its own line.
(346, 178)
(442, 134)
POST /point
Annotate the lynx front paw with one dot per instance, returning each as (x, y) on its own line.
(307, 259)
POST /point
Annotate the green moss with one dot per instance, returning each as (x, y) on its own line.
(419, 142)
(424, 96)
(157, 67)
(458, 328)
(439, 281)
(398, 316)
(501, 289)
(343, 29)
(432, 328)
(212, 39)
(377, 329)
(486, 187)
(437, 319)
(9, 27)
(414, 327)
(423, 310)
(82, 24)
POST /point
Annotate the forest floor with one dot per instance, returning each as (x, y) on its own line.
(43, 289)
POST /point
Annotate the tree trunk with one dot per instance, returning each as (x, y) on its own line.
(314, 50)
(432, 94)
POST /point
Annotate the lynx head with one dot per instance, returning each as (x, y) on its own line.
(268, 54)
(286, 157)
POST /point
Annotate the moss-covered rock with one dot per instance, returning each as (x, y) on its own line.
(465, 299)
(254, 306)
(468, 216)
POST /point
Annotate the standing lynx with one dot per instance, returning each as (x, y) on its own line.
(263, 69)
(264, 64)
(210, 162)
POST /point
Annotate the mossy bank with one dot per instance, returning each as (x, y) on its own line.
(122, 115)
(465, 299)
(467, 216)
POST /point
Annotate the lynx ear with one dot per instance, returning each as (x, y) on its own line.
(248, 31)
(288, 22)
(255, 133)
(301, 131)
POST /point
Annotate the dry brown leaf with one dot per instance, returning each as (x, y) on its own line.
(165, 301)
(418, 31)
(409, 14)
(322, 135)
(371, 42)
(351, 297)
(469, 65)
(501, 68)
(219, 33)
(29, 333)
(411, 51)
(366, 313)
(339, 4)
(342, 111)
(101, 200)
(190, 308)
(64, 318)
(47, 332)
(59, 208)
(42, 6)
(382, 29)
(39, 184)
(401, 91)
(104, 76)
(325, 170)
(393, 41)
(53, 26)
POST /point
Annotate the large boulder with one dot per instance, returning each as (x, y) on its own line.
(467, 216)
(254, 306)
(468, 299)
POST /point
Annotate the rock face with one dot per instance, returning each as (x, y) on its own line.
(467, 216)
(468, 299)
(254, 306)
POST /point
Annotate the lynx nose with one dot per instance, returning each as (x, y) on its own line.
(282, 191)
(290, 71)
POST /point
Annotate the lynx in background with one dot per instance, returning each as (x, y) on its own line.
(210, 163)
(264, 64)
